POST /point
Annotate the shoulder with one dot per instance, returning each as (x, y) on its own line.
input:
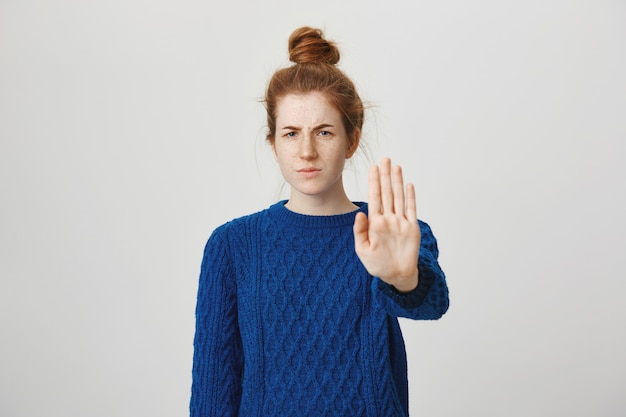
(239, 226)
(232, 239)
(424, 227)
(428, 239)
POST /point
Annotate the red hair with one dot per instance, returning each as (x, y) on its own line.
(315, 69)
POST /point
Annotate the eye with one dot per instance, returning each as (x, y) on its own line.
(325, 133)
(290, 134)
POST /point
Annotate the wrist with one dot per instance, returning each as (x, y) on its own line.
(406, 284)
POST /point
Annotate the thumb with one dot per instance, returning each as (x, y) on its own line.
(361, 236)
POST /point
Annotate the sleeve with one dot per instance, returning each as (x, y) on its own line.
(429, 300)
(218, 354)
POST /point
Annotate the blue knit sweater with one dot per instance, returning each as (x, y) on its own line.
(289, 322)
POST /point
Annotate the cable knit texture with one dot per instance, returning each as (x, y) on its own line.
(289, 322)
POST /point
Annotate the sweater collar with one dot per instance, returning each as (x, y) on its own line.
(279, 212)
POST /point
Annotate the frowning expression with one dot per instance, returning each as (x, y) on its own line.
(311, 145)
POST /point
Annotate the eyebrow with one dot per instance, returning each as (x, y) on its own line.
(318, 127)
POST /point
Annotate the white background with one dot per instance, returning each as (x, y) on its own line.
(130, 129)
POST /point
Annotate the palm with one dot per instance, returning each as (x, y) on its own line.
(387, 241)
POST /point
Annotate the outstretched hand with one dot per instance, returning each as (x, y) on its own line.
(387, 240)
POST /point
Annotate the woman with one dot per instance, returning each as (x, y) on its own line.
(297, 304)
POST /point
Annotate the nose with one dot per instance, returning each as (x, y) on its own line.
(308, 148)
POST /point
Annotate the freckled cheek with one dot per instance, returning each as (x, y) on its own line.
(283, 153)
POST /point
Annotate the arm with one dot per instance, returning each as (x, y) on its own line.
(218, 357)
(398, 249)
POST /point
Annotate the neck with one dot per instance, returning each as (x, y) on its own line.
(320, 205)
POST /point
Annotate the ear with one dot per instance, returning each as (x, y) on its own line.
(356, 137)
(273, 146)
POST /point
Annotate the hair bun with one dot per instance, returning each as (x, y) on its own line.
(307, 45)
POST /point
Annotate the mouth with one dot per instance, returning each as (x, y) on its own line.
(309, 172)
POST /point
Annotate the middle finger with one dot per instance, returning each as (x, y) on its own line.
(385, 186)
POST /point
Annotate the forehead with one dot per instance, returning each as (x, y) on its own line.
(306, 109)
